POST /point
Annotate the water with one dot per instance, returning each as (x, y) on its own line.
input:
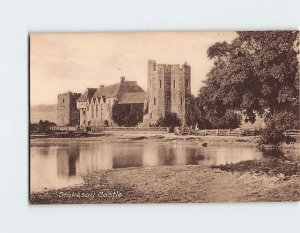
(54, 167)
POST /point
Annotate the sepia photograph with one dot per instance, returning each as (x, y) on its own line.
(164, 117)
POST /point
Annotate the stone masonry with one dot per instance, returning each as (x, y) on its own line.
(169, 91)
(67, 112)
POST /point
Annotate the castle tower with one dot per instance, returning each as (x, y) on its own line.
(67, 112)
(169, 90)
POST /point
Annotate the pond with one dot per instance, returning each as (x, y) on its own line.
(53, 167)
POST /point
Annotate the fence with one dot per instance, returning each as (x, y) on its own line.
(64, 128)
(94, 129)
(137, 129)
(292, 133)
(217, 132)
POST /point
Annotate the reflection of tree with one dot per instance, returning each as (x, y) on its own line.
(194, 156)
(127, 160)
(166, 156)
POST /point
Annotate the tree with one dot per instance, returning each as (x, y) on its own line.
(127, 115)
(169, 120)
(258, 73)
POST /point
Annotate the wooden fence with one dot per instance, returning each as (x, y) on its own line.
(64, 128)
(292, 133)
(216, 132)
(94, 129)
(137, 129)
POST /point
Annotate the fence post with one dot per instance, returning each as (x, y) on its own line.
(217, 132)
(205, 132)
(228, 132)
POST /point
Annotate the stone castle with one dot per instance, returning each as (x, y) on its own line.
(67, 113)
(95, 105)
(169, 91)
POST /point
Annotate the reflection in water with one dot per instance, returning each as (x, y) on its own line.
(66, 161)
(60, 166)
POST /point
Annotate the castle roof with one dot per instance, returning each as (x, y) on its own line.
(117, 90)
(133, 98)
(87, 94)
(108, 91)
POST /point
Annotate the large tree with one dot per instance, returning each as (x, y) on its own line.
(257, 73)
(128, 115)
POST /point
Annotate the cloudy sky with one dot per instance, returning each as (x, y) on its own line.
(61, 62)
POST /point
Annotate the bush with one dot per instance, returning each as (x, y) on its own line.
(127, 115)
(170, 120)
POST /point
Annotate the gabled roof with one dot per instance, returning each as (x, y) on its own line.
(133, 98)
(87, 94)
(108, 91)
(117, 90)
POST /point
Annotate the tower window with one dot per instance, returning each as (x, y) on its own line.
(186, 83)
(174, 83)
(154, 101)
(181, 100)
(160, 83)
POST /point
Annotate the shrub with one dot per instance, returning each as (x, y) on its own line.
(169, 120)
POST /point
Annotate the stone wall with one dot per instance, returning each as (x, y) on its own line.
(169, 91)
(67, 112)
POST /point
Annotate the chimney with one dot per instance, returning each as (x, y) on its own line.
(122, 79)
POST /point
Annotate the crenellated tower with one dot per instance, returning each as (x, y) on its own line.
(169, 90)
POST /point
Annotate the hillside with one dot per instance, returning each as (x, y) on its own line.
(43, 112)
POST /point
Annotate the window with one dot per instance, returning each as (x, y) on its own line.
(174, 83)
(186, 83)
(63, 100)
(97, 110)
(92, 111)
(181, 100)
(154, 101)
(167, 102)
(160, 83)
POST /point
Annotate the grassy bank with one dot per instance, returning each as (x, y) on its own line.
(142, 138)
(244, 141)
(175, 184)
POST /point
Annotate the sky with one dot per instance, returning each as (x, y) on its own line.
(62, 62)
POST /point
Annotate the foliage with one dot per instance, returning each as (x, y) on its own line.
(170, 120)
(276, 124)
(127, 115)
(41, 127)
(255, 74)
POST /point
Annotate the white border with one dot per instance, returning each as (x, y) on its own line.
(18, 18)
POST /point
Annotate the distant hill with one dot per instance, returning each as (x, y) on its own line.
(43, 112)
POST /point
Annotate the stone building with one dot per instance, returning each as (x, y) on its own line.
(169, 91)
(95, 104)
(67, 112)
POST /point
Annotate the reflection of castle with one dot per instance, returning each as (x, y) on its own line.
(169, 91)
(66, 161)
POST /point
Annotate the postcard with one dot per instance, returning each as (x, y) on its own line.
(164, 117)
